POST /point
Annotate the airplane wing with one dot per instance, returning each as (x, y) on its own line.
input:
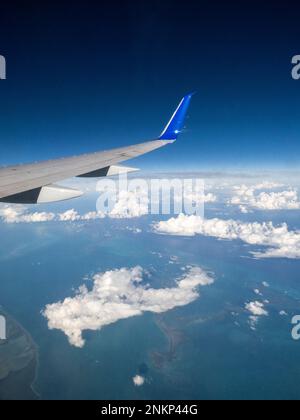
(35, 183)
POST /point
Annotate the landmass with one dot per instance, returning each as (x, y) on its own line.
(175, 338)
(18, 362)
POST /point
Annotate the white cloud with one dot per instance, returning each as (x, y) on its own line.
(280, 242)
(243, 209)
(257, 292)
(38, 217)
(265, 284)
(256, 308)
(16, 214)
(92, 215)
(130, 205)
(253, 321)
(138, 380)
(284, 200)
(134, 230)
(267, 185)
(252, 197)
(209, 198)
(69, 216)
(117, 295)
(197, 197)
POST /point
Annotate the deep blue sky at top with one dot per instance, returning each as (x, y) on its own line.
(85, 75)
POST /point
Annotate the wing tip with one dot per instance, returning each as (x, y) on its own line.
(175, 125)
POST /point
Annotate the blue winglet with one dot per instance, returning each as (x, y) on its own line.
(176, 123)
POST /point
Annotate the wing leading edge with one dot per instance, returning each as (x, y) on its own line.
(35, 183)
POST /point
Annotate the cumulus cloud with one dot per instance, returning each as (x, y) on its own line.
(138, 380)
(69, 215)
(267, 185)
(257, 292)
(19, 214)
(265, 284)
(10, 214)
(128, 206)
(253, 197)
(209, 198)
(243, 209)
(284, 200)
(120, 294)
(134, 230)
(280, 242)
(196, 196)
(257, 310)
(253, 321)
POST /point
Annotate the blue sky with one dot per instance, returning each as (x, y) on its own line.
(92, 76)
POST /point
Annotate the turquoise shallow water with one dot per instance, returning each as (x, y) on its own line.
(203, 350)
